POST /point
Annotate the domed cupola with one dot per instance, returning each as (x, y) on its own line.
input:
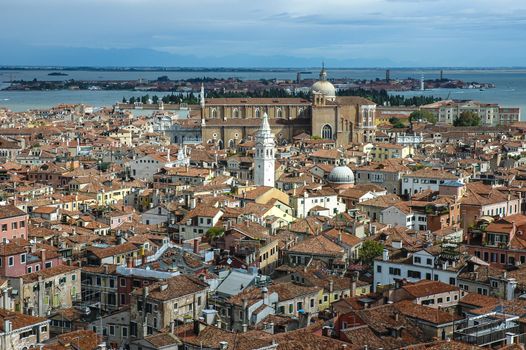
(341, 175)
(324, 87)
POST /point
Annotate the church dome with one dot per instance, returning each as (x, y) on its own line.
(323, 86)
(341, 175)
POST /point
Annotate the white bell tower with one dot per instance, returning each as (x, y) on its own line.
(264, 161)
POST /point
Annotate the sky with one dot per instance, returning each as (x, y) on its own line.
(264, 33)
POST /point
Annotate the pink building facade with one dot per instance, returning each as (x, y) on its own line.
(13, 223)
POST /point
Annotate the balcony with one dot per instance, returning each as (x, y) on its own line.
(486, 329)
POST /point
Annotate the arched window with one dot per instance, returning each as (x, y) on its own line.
(278, 113)
(257, 113)
(231, 143)
(213, 113)
(326, 132)
(235, 113)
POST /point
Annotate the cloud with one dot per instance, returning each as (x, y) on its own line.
(428, 32)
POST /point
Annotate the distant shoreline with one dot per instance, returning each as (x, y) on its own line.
(239, 69)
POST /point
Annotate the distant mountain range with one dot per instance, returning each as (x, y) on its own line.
(45, 56)
(40, 56)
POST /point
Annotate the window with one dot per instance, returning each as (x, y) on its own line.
(379, 268)
(429, 261)
(4, 227)
(413, 274)
(482, 291)
(452, 280)
(112, 329)
(395, 271)
(125, 332)
(417, 260)
(14, 226)
(48, 264)
(326, 132)
(133, 329)
(291, 308)
(494, 284)
(22, 258)
(11, 261)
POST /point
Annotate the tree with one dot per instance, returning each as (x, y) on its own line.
(215, 232)
(370, 250)
(424, 116)
(396, 123)
(467, 118)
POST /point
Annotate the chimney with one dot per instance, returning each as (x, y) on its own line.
(43, 258)
(264, 291)
(511, 285)
(510, 338)
(129, 262)
(331, 286)
(385, 255)
(353, 286)
(223, 345)
(197, 327)
(245, 327)
(196, 246)
(7, 326)
(340, 236)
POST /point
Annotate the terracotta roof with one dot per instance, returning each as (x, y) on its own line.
(8, 211)
(173, 288)
(18, 320)
(425, 288)
(76, 340)
(49, 272)
(425, 313)
(317, 245)
(115, 250)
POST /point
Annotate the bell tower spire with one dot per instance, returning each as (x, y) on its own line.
(202, 103)
(264, 161)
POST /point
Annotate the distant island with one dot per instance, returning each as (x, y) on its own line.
(58, 74)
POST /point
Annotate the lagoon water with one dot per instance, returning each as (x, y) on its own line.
(510, 84)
